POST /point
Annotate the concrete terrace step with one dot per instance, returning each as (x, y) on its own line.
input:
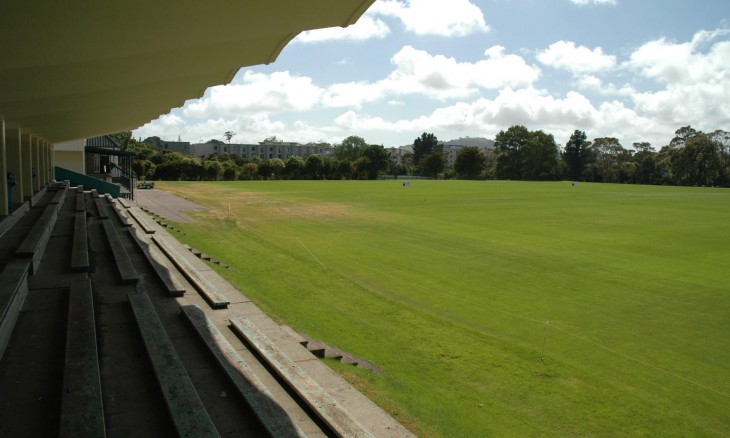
(82, 412)
(13, 290)
(37, 238)
(122, 214)
(186, 409)
(321, 402)
(125, 202)
(101, 207)
(159, 263)
(80, 200)
(127, 273)
(142, 219)
(275, 420)
(212, 295)
(80, 249)
(60, 196)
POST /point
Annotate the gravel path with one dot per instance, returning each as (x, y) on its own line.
(167, 205)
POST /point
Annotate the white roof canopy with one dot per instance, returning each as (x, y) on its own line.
(77, 69)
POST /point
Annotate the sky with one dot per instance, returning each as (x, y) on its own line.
(636, 70)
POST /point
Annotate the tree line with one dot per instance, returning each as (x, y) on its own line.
(691, 158)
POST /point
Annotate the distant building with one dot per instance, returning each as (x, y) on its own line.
(265, 150)
(398, 154)
(453, 147)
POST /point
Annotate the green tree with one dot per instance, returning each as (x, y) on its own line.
(469, 163)
(422, 146)
(576, 155)
(230, 170)
(294, 168)
(610, 158)
(249, 171)
(509, 151)
(540, 157)
(345, 169)
(228, 135)
(314, 166)
(213, 170)
(351, 148)
(681, 136)
(433, 164)
(698, 162)
(646, 167)
(123, 138)
(376, 159)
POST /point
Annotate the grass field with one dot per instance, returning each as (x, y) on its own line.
(448, 286)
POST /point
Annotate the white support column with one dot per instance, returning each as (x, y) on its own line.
(4, 182)
(36, 164)
(27, 163)
(52, 160)
(44, 162)
(13, 160)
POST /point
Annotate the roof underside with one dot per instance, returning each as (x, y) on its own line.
(71, 70)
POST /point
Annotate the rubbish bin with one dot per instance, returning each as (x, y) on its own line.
(11, 184)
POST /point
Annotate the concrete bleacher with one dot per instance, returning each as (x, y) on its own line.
(82, 412)
(186, 409)
(13, 290)
(123, 287)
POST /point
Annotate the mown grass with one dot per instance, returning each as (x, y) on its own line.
(448, 287)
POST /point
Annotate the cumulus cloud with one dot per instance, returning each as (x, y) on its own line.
(427, 17)
(366, 28)
(692, 76)
(437, 77)
(644, 96)
(576, 59)
(255, 93)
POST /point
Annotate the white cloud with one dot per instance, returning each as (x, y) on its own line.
(433, 17)
(255, 93)
(366, 28)
(595, 2)
(666, 84)
(576, 59)
(437, 77)
(694, 82)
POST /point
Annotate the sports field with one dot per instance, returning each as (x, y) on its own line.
(448, 286)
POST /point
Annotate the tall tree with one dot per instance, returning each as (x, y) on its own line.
(610, 158)
(698, 162)
(314, 166)
(228, 135)
(375, 159)
(681, 136)
(508, 151)
(422, 146)
(433, 164)
(469, 163)
(646, 166)
(576, 154)
(124, 139)
(294, 167)
(540, 157)
(351, 148)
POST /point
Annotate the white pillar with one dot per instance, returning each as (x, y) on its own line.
(27, 163)
(12, 158)
(3, 182)
(36, 164)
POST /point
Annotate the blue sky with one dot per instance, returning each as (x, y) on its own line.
(632, 69)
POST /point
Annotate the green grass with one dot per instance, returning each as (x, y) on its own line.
(448, 285)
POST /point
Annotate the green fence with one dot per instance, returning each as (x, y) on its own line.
(89, 182)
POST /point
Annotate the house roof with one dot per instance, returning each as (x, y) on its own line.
(103, 141)
(71, 70)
